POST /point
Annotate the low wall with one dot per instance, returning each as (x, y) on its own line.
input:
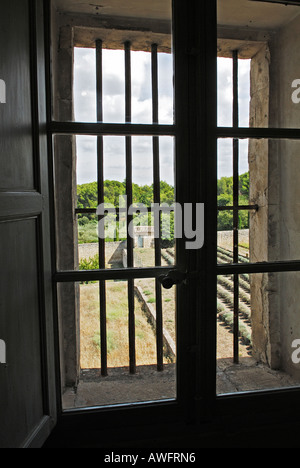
(225, 238)
(113, 251)
(150, 312)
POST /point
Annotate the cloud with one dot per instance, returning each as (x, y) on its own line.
(86, 147)
(85, 85)
(114, 112)
(224, 90)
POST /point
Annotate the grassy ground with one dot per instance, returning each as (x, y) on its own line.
(117, 328)
(87, 233)
(117, 322)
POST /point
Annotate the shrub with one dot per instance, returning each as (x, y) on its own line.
(91, 263)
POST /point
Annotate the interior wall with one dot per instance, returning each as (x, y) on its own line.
(274, 187)
(263, 223)
(284, 69)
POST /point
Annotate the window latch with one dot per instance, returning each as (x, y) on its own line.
(175, 277)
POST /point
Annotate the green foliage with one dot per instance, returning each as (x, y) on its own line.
(91, 263)
(225, 198)
(87, 233)
(87, 195)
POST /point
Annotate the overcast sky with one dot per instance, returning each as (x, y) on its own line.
(114, 111)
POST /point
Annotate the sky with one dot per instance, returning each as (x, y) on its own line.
(114, 112)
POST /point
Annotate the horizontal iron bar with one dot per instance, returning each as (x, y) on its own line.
(240, 207)
(258, 133)
(110, 274)
(155, 272)
(79, 128)
(124, 210)
(260, 267)
(85, 210)
(164, 209)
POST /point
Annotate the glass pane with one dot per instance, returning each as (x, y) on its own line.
(87, 198)
(142, 176)
(225, 201)
(165, 89)
(79, 229)
(113, 86)
(244, 67)
(267, 336)
(85, 85)
(264, 35)
(100, 70)
(82, 348)
(225, 91)
(141, 87)
(225, 96)
(269, 230)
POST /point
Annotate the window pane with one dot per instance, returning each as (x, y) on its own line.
(85, 85)
(270, 184)
(79, 229)
(83, 352)
(113, 86)
(141, 87)
(225, 201)
(225, 96)
(268, 332)
(264, 34)
(90, 64)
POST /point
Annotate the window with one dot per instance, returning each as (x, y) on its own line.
(234, 322)
(258, 176)
(124, 323)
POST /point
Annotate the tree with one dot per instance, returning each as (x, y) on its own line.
(225, 198)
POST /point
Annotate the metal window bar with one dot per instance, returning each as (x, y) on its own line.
(164, 209)
(130, 246)
(240, 208)
(235, 208)
(156, 196)
(100, 186)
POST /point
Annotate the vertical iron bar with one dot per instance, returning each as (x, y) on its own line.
(235, 205)
(130, 245)
(100, 183)
(156, 197)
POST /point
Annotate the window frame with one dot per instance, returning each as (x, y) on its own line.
(196, 131)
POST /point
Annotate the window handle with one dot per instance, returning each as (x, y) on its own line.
(173, 277)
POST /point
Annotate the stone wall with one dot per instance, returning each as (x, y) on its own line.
(225, 238)
(113, 251)
(274, 187)
(284, 187)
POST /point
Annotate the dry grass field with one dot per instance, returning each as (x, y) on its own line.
(117, 322)
(117, 328)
